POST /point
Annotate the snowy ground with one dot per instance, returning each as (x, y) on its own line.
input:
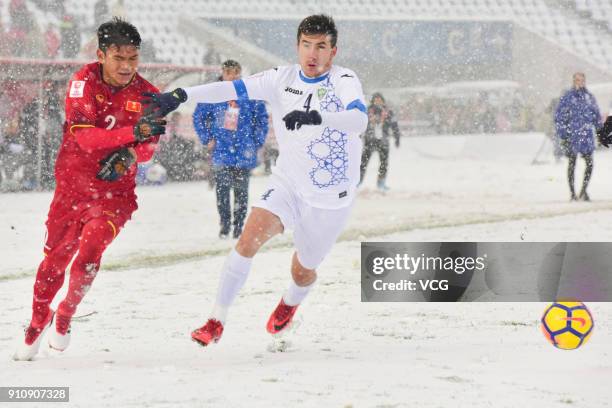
(159, 279)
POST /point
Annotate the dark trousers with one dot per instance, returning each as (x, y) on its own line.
(226, 179)
(382, 147)
(269, 155)
(571, 168)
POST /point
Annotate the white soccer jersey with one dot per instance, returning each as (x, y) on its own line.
(320, 162)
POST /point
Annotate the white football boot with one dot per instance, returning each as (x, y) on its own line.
(27, 349)
(59, 338)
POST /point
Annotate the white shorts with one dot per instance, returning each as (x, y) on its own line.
(315, 230)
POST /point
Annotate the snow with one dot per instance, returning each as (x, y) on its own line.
(158, 282)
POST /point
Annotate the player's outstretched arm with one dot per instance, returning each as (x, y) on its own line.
(352, 121)
(162, 104)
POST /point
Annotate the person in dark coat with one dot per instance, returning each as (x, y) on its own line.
(381, 126)
(576, 119)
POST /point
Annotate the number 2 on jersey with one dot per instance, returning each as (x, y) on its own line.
(111, 120)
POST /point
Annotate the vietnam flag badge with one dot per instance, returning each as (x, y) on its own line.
(133, 106)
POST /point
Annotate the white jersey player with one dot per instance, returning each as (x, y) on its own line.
(318, 114)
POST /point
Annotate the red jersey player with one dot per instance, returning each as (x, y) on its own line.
(105, 134)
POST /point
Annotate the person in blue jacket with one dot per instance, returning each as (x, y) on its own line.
(233, 131)
(577, 118)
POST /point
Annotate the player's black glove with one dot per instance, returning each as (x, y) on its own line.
(294, 120)
(162, 104)
(149, 126)
(115, 165)
(604, 134)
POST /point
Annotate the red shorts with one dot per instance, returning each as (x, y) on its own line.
(68, 214)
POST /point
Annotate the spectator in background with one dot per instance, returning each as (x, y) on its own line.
(177, 154)
(576, 119)
(71, 37)
(13, 157)
(550, 129)
(376, 138)
(52, 42)
(270, 150)
(53, 116)
(234, 130)
(28, 136)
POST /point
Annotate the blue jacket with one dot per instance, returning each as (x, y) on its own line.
(576, 117)
(234, 148)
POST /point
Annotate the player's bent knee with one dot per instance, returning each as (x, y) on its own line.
(100, 231)
(304, 277)
(247, 247)
(57, 259)
(260, 227)
(301, 275)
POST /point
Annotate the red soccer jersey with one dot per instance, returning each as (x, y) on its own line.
(99, 120)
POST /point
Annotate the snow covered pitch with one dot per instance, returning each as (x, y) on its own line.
(158, 282)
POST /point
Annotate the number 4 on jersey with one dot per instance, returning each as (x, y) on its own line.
(307, 103)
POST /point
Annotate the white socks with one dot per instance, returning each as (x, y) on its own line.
(233, 276)
(294, 295)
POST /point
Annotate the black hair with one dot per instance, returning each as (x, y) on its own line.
(318, 24)
(231, 64)
(377, 95)
(117, 32)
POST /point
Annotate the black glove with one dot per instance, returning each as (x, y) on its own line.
(163, 103)
(115, 165)
(149, 126)
(604, 134)
(294, 120)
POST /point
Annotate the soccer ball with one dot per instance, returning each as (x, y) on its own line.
(567, 325)
(151, 174)
(156, 174)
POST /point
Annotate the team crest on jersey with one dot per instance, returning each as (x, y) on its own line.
(321, 93)
(76, 89)
(100, 98)
(132, 106)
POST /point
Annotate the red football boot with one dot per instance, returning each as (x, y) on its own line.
(209, 333)
(281, 317)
